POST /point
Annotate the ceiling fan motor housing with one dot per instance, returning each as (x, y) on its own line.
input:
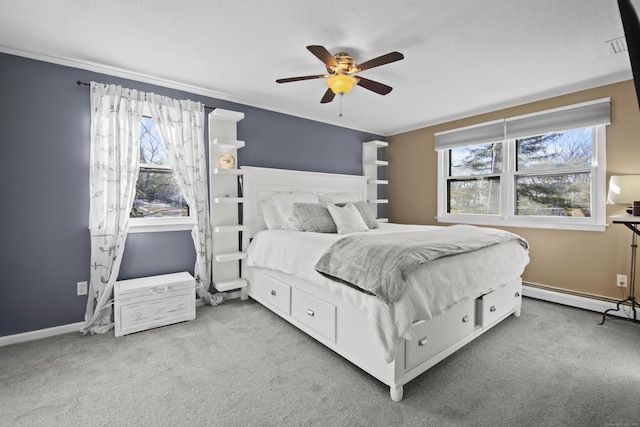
(346, 64)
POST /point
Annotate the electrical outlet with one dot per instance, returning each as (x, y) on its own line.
(621, 281)
(82, 288)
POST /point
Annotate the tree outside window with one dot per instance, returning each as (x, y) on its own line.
(475, 184)
(552, 176)
(157, 193)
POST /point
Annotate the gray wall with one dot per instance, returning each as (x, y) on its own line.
(44, 171)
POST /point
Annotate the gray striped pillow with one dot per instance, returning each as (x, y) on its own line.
(314, 217)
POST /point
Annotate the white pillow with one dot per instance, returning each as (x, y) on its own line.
(347, 218)
(366, 214)
(285, 207)
(270, 214)
(338, 197)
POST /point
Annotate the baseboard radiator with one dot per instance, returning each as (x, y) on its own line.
(573, 299)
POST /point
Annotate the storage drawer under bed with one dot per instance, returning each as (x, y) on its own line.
(497, 304)
(317, 314)
(432, 336)
(275, 293)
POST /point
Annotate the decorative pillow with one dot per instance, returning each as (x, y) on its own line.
(368, 216)
(284, 205)
(270, 214)
(338, 197)
(314, 217)
(347, 218)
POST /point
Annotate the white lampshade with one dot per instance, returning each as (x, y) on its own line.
(624, 189)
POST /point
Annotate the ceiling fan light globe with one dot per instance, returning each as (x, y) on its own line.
(341, 83)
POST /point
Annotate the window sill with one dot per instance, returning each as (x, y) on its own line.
(498, 222)
(154, 225)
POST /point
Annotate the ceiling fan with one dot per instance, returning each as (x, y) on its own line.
(340, 72)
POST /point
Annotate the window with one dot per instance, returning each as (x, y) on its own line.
(158, 203)
(473, 184)
(553, 174)
(524, 172)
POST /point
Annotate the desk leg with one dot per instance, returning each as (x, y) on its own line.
(631, 298)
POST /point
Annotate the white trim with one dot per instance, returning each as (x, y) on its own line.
(570, 300)
(41, 333)
(540, 222)
(58, 330)
(115, 72)
(148, 225)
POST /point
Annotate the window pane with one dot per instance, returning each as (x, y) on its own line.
(151, 147)
(158, 195)
(554, 195)
(555, 150)
(474, 196)
(481, 159)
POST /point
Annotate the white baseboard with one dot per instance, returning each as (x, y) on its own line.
(40, 333)
(570, 300)
(50, 332)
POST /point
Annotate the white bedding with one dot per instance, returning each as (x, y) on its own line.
(434, 287)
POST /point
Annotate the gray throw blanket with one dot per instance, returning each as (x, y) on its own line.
(380, 263)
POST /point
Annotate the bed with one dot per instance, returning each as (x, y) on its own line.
(446, 303)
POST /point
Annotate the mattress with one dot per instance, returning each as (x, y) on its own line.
(434, 287)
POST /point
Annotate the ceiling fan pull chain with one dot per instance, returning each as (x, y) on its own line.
(340, 112)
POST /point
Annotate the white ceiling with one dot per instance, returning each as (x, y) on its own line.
(462, 57)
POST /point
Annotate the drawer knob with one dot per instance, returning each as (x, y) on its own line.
(273, 292)
(422, 342)
(310, 312)
(164, 291)
(492, 308)
(517, 294)
(465, 319)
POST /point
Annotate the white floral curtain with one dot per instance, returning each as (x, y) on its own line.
(181, 125)
(115, 153)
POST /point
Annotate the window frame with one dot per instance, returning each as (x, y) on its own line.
(159, 224)
(507, 216)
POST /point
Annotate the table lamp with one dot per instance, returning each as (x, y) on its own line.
(624, 190)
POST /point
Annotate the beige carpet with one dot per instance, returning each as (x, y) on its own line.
(238, 364)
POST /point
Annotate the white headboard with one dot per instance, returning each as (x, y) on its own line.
(260, 183)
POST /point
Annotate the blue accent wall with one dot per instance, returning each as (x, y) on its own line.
(44, 173)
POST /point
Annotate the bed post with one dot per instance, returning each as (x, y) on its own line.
(396, 393)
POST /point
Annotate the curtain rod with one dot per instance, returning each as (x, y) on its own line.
(81, 83)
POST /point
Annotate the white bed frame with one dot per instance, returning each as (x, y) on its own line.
(336, 324)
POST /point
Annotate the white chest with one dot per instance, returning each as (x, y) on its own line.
(150, 302)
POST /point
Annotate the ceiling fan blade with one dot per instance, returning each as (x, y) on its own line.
(381, 60)
(297, 79)
(328, 96)
(323, 55)
(374, 86)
